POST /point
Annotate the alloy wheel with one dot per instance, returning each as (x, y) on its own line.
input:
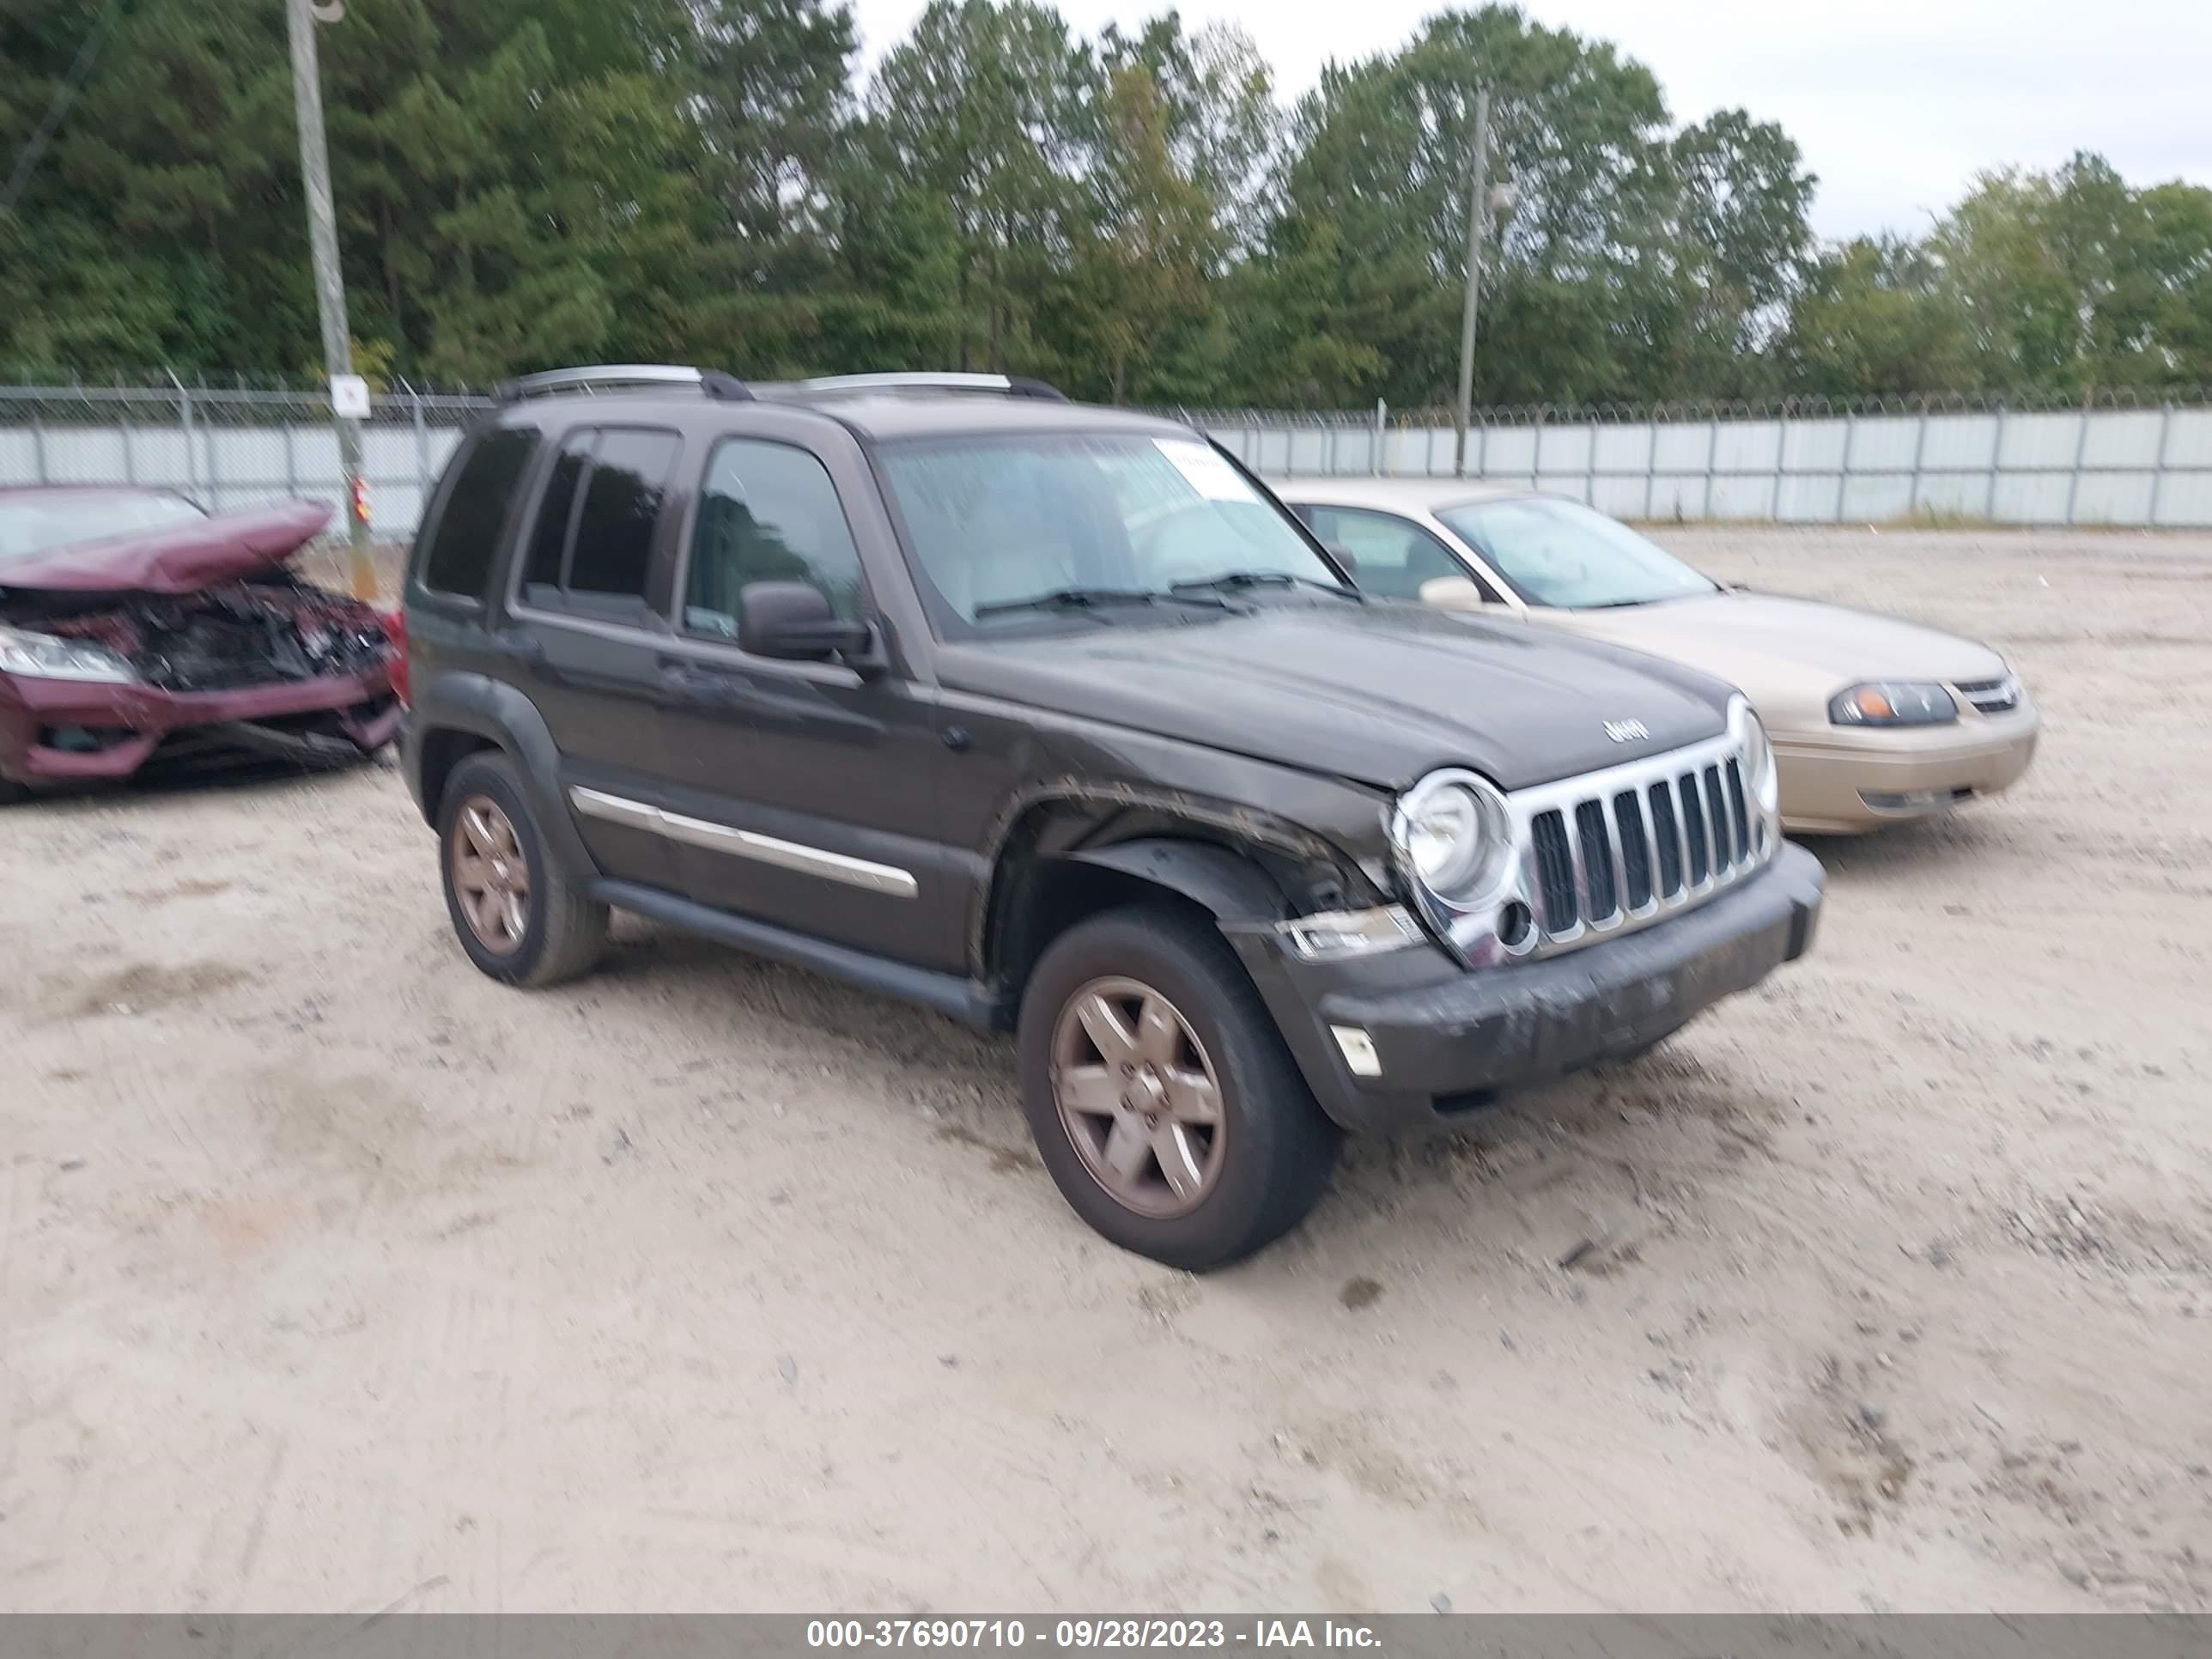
(491, 877)
(1138, 1095)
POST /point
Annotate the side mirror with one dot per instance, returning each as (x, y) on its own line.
(1452, 593)
(794, 621)
(1342, 555)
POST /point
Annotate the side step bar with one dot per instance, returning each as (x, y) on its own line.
(947, 993)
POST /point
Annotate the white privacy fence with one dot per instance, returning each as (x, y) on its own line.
(1802, 463)
(2123, 466)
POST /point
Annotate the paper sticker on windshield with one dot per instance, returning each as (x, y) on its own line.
(1207, 473)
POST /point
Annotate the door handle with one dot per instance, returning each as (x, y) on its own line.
(692, 686)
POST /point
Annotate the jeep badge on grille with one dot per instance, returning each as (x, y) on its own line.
(1627, 731)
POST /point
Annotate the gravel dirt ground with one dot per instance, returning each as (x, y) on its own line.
(333, 1277)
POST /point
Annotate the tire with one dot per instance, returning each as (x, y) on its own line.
(13, 794)
(1262, 1164)
(563, 931)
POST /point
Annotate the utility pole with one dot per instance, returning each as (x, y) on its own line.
(330, 281)
(1477, 199)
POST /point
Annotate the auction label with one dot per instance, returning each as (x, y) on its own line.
(1205, 471)
(1087, 1634)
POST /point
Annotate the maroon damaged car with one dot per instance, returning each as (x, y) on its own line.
(139, 633)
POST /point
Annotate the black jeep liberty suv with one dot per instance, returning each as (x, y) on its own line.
(1053, 718)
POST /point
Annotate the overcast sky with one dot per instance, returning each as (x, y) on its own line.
(1897, 104)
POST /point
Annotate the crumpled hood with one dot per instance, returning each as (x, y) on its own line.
(1740, 636)
(181, 558)
(1377, 694)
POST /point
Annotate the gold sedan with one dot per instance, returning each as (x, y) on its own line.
(1875, 720)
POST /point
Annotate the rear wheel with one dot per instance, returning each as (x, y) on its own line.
(521, 919)
(1160, 1095)
(12, 793)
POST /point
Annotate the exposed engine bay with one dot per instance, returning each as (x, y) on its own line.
(268, 630)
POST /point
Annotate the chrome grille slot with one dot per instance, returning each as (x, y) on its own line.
(1635, 845)
(1667, 838)
(1611, 852)
(1594, 843)
(1998, 697)
(1555, 874)
(1694, 829)
(1724, 853)
(1739, 808)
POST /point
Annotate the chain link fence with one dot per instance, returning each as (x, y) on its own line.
(2115, 458)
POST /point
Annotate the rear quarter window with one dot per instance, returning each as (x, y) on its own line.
(464, 539)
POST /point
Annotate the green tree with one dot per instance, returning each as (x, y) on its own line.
(986, 107)
(154, 229)
(1222, 123)
(1879, 315)
(528, 182)
(1144, 240)
(1382, 150)
(1732, 254)
(775, 94)
(2166, 291)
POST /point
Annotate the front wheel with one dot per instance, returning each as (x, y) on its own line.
(1161, 1097)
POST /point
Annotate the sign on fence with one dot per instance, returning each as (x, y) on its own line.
(350, 397)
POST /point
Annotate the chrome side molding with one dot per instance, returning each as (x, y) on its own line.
(743, 843)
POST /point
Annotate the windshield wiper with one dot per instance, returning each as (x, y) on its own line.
(1241, 579)
(1089, 598)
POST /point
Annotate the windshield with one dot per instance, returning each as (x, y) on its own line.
(36, 523)
(996, 521)
(1562, 554)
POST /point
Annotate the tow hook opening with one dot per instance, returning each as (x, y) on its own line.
(82, 739)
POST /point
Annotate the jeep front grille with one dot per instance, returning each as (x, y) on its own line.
(1616, 850)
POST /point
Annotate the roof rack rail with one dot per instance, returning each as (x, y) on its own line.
(1008, 385)
(617, 376)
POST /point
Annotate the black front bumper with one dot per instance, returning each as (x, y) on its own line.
(1448, 1040)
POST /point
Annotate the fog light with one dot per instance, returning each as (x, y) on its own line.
(1915, 800)
(1358, 1050)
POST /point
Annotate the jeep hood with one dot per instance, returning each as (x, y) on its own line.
(1377, 694)
(181, 558)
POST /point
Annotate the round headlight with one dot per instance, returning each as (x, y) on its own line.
(1452, 832)
(1444, 837)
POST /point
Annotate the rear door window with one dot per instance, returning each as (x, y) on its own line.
(465, 539)
(556, 518)
(591, 543)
